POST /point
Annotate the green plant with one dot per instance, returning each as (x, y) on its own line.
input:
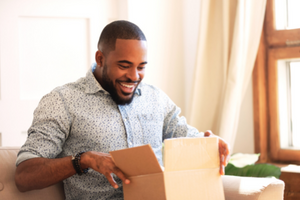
(244, 165)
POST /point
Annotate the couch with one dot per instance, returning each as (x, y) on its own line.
(235, 188)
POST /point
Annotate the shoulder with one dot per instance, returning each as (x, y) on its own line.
(152, 92)
(148, 88)
(71, 87)
(66, 91)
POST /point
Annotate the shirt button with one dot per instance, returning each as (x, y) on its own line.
(130, 143)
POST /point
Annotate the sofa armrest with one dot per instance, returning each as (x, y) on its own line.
(251, 188)
(8, 188)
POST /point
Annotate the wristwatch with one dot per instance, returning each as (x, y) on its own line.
(76, 164)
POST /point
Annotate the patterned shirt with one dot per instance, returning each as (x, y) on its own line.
(82, 116)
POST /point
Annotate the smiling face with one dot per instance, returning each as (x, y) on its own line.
(121, 71)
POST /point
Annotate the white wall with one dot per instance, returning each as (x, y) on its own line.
(191, 20)
(162, 23)
(43, 44)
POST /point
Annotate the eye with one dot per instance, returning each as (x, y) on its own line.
(141, 67)
(124, 66)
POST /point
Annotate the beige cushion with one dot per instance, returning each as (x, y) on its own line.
(250, 188)
(8, 189)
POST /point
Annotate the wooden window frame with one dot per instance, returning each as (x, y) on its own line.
(274, 46)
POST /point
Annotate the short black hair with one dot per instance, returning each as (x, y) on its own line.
(120, 29)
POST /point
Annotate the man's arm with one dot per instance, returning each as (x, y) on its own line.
(38, 173)
(176, 126)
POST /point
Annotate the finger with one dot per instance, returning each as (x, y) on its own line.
(226, 161)
(222, 170)
(207, 133)
(227, 157)
(224, 150)
(120, 174)
(221, 159)
(221, 153)
(111, 180)
(224, 157)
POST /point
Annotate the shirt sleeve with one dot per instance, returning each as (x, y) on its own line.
(49, 130)
(25, 156)
(176, 125)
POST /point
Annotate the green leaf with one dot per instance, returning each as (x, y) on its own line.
(258, 170)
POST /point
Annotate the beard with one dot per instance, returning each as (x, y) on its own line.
(111, 89)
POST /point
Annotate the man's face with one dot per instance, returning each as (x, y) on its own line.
(123, 69)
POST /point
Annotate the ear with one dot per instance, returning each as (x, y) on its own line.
(99, 57)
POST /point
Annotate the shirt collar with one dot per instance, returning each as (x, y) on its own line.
(93, 86)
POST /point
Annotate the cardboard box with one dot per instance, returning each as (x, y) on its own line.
(191, 171)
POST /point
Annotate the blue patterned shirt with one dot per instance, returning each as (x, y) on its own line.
(81, 116)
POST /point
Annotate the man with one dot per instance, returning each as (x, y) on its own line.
(107, 110)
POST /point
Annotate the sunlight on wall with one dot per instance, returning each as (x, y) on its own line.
(161, 21)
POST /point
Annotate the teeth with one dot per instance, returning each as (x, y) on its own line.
(129, 86)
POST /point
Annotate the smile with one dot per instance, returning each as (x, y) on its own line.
(128, 86)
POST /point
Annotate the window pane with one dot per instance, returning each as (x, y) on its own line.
(280, 14)
(295, 102)
(293, 14)
(287, 14)
(289, 103)
(284, 104)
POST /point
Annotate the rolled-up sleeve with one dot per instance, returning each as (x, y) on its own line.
(49, 130)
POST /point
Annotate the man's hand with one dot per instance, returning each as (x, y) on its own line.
(103, 163)
(223, 151)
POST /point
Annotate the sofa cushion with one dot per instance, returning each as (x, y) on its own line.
(8, 189)
(251, 188)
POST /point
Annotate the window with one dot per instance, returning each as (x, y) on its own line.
(294, 70)
(289, 103)
(276, 84)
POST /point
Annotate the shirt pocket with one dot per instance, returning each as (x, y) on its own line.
(152, 127)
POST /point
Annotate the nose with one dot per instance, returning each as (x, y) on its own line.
(133, 74)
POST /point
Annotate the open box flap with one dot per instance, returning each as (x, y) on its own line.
(136, 161)
(191, 153)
